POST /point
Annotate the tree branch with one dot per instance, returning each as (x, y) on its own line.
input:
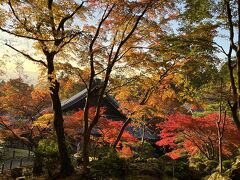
(230, 23)
(24, 36)
(23, 139)
(62, 22)
(50, 3)
(27, 56)
(130, 33)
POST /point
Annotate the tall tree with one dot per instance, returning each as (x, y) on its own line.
(120, 30)
(179, 66)
(231, 9)
(50, 25)
(225, 14)
(185, 133)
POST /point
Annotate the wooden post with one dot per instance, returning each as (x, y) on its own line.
(2, 168)
(13, 154)
(173, 169)
(11, 164)
(21, 160)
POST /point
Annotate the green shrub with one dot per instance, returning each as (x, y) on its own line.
(211, 166)
(47, 155)
(227, 164)
(109, 166)
(16, 172)
(202, 164)
(143, 151)
(179, 168)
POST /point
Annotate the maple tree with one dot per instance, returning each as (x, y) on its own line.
(164, 84)
(10, 128)
(121, 43)
(224, 15)
(51, 30)
(229, 10)
(15, 97)
(22, 100)
(186, 133)
(108, 129)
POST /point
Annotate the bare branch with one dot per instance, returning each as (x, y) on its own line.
(24, 24)
(62, 22)
(112, 48)
(13, 11)
(69, 40)
(130, 33)
(220, 47)
(23, 139)
(24, 36)
(104, 17)
(27, 55)
(230, 23)
(83, 80)
(50, 2)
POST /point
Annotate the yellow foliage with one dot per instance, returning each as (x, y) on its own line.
(44, 120)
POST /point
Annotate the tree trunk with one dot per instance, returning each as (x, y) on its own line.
(220, 154)
(235, 88)
(238, 95)
(86, 139)
(234, 111)
(86, 153)
(65, 162)
(88, 128)
(127, 122)
(237, 50)
(234, 106)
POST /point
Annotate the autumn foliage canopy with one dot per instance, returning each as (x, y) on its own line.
(184, 133)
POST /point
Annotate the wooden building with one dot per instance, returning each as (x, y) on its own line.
(109, 103)
(112, 111)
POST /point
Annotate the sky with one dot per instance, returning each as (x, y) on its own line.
(11, 59)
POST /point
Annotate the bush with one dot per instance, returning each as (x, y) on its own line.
(16, 172)
(46, 154)
(202, 164)
(180, 167)
(227, 164)
(143, 151)
(109, 166)
(217, 176)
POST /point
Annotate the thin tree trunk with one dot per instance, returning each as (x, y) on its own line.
(115, 57)
(86, 139)
(220, 154)
(142, 140)
(219, 142)
(220, 131)
(127, 122)
(235, 89)
(237, 50)
(220, 137)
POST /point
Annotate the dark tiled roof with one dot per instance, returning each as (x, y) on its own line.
(74, 99)
(81, 95)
